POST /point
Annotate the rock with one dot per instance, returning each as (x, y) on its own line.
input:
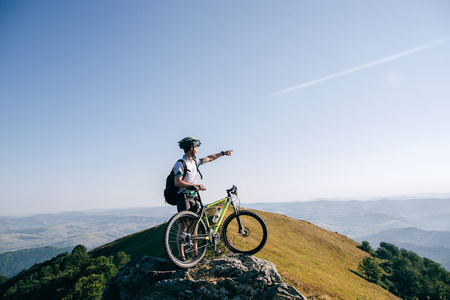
(232, 276)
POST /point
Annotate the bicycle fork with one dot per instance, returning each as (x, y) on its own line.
(241, 229)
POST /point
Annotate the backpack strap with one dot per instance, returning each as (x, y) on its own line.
(184, 167)
(187, 170)
(201, 176)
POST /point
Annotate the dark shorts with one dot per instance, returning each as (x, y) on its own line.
(184, 203)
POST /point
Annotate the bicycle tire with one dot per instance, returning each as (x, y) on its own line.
(255, 236)
(173, 238)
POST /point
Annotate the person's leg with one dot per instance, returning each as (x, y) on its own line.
(182, 205)
(193, 206)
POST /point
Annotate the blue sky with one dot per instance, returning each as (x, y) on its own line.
(94, 96)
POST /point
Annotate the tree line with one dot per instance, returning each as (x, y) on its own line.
(404, 273)
(68, 276)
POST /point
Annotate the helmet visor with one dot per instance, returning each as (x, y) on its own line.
(196, 143)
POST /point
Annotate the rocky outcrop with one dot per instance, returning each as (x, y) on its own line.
(227, 277)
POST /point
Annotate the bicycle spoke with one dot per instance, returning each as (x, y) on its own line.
(250, 239)
(185, 241)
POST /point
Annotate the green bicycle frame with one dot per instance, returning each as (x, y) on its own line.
(222, 215)
(215, 228)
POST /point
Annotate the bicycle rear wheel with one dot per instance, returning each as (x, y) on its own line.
(184, 245)
(251, 239)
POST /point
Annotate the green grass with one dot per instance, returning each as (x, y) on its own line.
(147, 242)
(321, 264)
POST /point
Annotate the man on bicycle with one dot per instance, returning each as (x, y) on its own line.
(186, 178)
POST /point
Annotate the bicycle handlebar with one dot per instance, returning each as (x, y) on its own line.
(193, 188)
(233, 190)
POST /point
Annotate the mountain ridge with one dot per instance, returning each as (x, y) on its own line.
(315, 261)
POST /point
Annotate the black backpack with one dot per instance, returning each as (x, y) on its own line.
(171, 191)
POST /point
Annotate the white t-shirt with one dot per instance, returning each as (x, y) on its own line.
(191, 175)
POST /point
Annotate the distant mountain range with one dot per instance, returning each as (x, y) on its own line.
(72, 228)
(419, 225)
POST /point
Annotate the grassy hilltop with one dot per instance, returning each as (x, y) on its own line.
(319, 263)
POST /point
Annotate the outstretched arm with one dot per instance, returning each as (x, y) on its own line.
(216, 156)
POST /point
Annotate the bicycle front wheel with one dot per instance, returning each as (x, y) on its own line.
(250, 239)
(185, 239)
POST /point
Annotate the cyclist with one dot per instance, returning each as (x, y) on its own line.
(187, 199)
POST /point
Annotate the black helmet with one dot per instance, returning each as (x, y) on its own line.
(188, 142)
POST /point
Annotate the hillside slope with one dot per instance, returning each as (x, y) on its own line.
(319, 263)
(426, 243)
(379, 220)
(11, 263)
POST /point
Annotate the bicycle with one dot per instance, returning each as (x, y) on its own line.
(188, 234)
